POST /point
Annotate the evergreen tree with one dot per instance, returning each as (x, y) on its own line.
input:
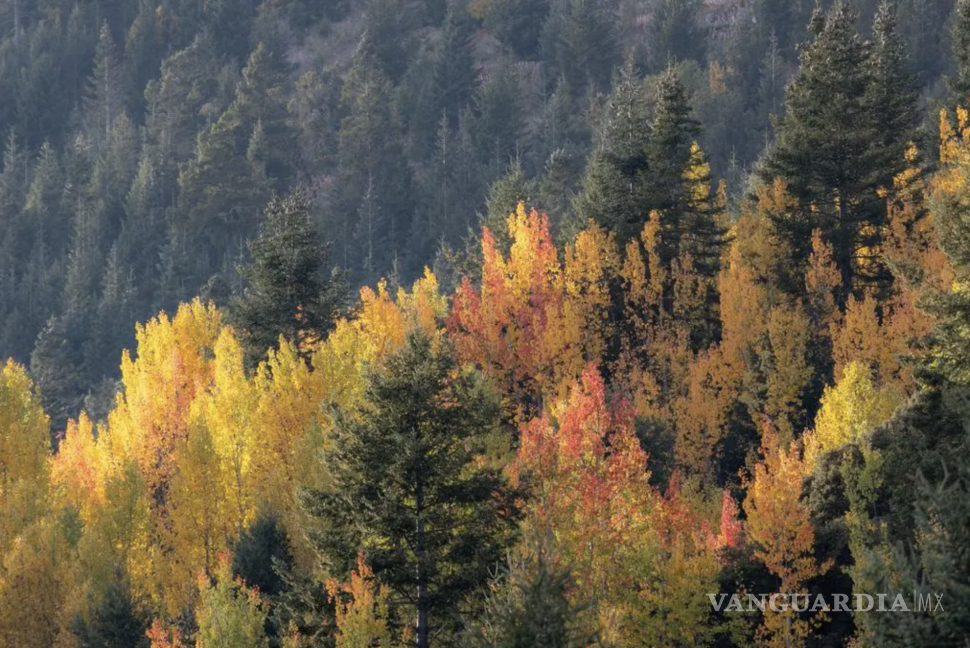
(116, 621)
(499, 122)
(261, 554)
(410, 491)
(104, 98)
(892, 97)
(370, 154)
(222, 187)
(677, 35)
(959, 81)
(615, 190)
(673, 135)
(825, 150)
(289, 294)
(578, 43)
(454, 66)
(529, 607)
(517, 23)
(56, 367)
(503, 197)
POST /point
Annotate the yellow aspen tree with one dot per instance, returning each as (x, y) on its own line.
(675, 567)
(162, 636)
(822, 283)
(516, 327)
(194, 529)
(24, 452)
(911, 241)
(780, 528)
(225, 413)
(425, 307)
(590, 488)
(174, 364)
(362, 610)
(80, 469)
(852, 408)
(289, 436)
(590, 267)
(701, 413)
(754, 234)
(35, 586)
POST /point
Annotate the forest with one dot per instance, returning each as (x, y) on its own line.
(484, 323)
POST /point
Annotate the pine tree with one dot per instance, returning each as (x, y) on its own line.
(669, 154)
(578, 43)
(289, 293)
(616, 184)
(369, 139)
(959, 82)
(105, 97)
(117, 621)
(892, 98)
(503, 198)
(261, 554)
(529, 607)
(677, 34)
(454, 65)
(408, 488)
(824, 150)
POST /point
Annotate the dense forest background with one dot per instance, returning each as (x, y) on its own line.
(507, 324)
(143, 139)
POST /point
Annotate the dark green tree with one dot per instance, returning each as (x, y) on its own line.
(503, 199)
(578, 43)
(105, 95)
(410, 491)
(892, 99)
(615, 190)
(261, 554)
(959, 80)
(674, 132)
(290, 292)
(529, 607)
(115, 622)
(677, 34)
(825, 149)
(371, 156)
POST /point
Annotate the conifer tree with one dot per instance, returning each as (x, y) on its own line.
(370, 137)
(290, 293)
(677, 34)
(105, 95)
(409, 490)
(892, 97)
(825, 150)
(959, 81)
(615, 187)
(669, 154)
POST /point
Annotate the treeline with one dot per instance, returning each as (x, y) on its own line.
(142, 139)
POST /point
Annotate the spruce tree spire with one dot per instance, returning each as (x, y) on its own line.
(959, 82)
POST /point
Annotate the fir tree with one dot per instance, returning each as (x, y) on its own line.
(289, 293)
(677, 34)
(409, 490)
(825, 150)
(615, 190)
(959, 81)
(668, 154)
(105, 95)
(892, 98)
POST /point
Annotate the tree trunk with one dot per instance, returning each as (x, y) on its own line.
(422, 620)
